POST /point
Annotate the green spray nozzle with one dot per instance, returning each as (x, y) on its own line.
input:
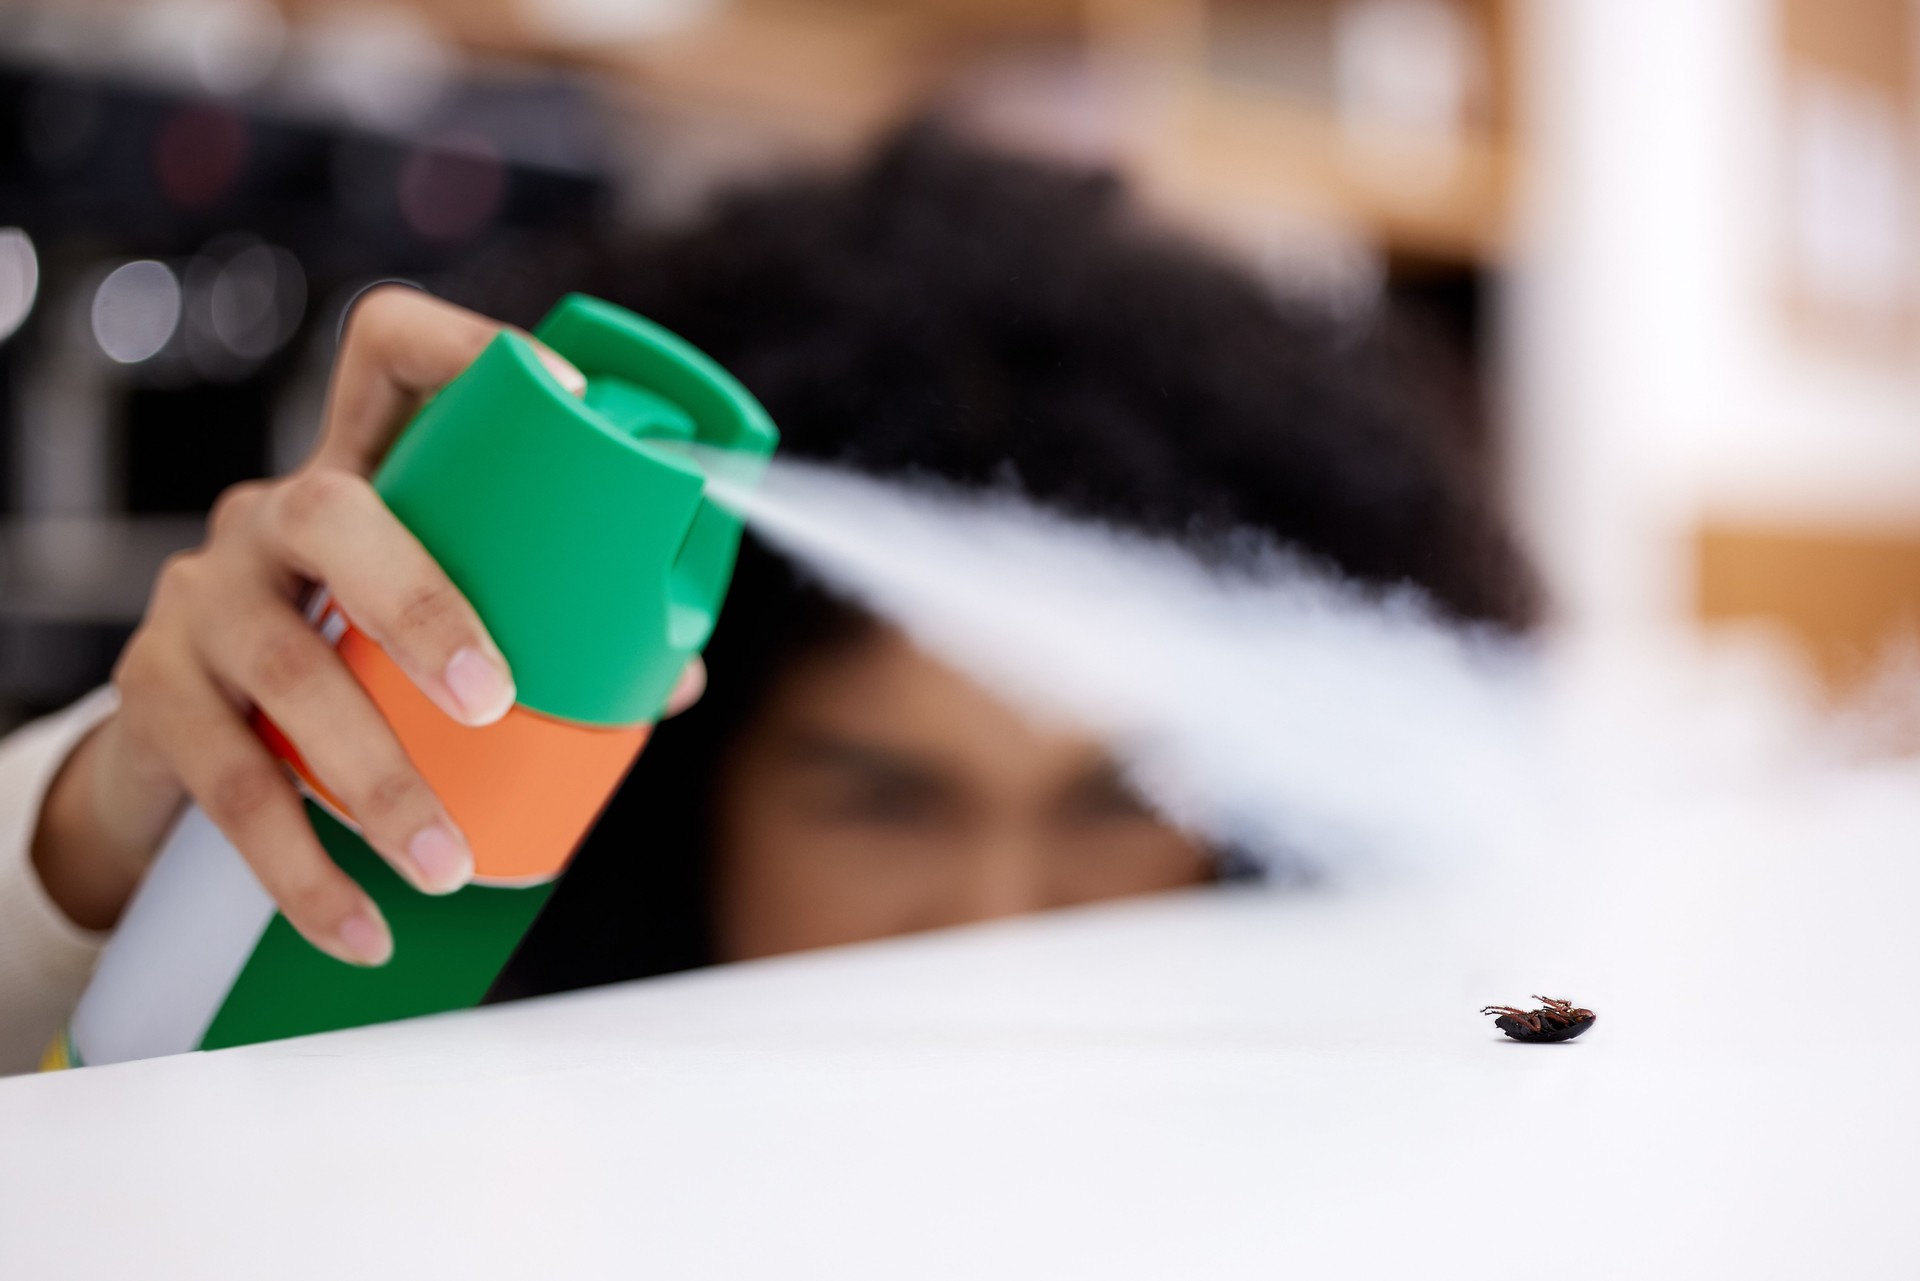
(638, 412)
(590, 552)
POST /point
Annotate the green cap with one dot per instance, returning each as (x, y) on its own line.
(579, 526)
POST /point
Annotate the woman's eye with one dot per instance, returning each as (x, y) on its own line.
(896, 803)
(1106, 799)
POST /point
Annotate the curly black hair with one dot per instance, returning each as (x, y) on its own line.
(950, 312)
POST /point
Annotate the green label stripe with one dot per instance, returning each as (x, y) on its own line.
(447, 952)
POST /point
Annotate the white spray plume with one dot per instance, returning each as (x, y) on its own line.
(1266, 704)
(1648, 838)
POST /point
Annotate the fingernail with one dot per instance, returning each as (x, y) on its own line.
(365, 939)
(560, 367)
(480, 685)
(687, 690)
(442, 859)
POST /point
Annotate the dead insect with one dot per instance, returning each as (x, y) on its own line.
(1554, 1021)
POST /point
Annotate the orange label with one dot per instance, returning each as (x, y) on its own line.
(524, 789)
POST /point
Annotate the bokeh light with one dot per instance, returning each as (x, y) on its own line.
(19, 279)
(451, 188)
(257, 300)
(136, 310)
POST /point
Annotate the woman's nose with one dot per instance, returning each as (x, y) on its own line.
(1005, 875)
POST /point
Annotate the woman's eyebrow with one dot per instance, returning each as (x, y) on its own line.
(1103, 771)
(813, 748)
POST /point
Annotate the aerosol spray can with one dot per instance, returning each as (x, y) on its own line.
(580, 530)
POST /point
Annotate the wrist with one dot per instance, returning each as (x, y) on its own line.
(88, 863)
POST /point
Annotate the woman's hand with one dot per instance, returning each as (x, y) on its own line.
(224, 635)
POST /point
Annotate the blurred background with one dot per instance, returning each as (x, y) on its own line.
(1670, 250)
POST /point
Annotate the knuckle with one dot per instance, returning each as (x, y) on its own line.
(179, 574)
(243, 793)
(287, 661)
(308, 895)
(316, 494)
(370, 308)
(133, 670)
(393, 797)
(427, 609)
(233, 507)
(149, 668)
(177, 564)
(380, 313)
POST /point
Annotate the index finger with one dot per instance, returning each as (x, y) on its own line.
(400, 346)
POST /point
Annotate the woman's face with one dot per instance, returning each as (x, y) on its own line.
(879, 792)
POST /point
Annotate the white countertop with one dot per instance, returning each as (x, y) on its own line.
(1218, 1084)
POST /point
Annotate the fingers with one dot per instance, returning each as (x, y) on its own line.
(399, 346)
(223, 632)
(277, 663)
(330, 527)
(249, 798)
(688, 689)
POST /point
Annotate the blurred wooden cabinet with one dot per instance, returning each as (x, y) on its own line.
(1848, 167)
(1393, 117)
(1843, 595)
(1846, 274)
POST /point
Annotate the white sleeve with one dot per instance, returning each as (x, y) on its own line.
(45, 959)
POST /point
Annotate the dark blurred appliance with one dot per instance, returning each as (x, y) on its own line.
(173, 269)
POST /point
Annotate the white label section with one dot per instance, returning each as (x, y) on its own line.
(183, 941)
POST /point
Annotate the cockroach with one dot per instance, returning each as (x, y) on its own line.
(1553, 1021)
